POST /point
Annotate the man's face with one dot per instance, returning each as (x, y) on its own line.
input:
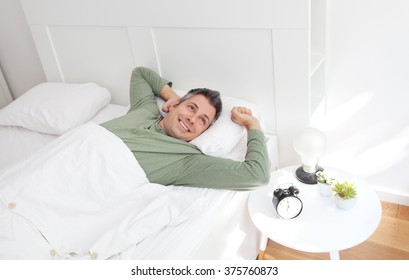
(189, 119)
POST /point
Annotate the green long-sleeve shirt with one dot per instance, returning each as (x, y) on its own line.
(170, 161)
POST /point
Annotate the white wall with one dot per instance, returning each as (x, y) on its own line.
(18, 56)
(367, 122)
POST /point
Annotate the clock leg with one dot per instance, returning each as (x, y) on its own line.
(263, 246)
(334, 255)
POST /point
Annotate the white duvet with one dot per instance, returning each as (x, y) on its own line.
(85, 196)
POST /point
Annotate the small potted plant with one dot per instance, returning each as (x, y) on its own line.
(345, 194)
(326, 180)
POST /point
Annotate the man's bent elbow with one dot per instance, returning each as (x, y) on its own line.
(261, 178)
(264, 178)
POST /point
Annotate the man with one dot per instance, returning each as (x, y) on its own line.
(161, 144)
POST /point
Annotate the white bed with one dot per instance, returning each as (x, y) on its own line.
(253, 51)
(23, 142)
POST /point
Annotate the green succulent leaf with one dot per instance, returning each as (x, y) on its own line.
(345, 190)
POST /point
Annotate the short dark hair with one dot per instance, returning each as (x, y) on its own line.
(212, 95)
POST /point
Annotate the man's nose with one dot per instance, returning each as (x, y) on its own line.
(192, 118)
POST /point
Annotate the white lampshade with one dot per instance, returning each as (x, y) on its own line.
(310, 145)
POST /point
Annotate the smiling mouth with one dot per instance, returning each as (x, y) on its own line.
(185, 127)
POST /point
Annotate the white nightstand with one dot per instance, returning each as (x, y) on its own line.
(321, 226)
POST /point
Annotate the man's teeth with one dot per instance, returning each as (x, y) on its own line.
(184, 126)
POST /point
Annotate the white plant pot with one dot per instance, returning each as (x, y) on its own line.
(325, 190)
(344, 204)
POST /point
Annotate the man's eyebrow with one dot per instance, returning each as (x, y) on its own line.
(197, 107)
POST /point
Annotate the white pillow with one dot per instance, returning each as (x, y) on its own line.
(224, 138)
(55, 108)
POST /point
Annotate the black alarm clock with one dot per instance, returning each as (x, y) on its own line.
(286, 202)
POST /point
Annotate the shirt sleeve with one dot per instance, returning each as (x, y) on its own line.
(213, 172)
(145, 86)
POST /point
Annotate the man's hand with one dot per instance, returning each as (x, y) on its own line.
(170, 97)
(243, 116)
(170, 104)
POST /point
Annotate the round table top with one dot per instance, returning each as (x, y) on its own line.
(321, 226)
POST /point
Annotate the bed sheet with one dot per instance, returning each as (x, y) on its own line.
(223, 231)
(88, 197)
(204, 237)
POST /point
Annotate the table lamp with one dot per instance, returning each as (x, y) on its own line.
(309, 144)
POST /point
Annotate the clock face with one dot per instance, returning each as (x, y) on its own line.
(289, 207)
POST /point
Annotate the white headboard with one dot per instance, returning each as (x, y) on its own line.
(252, 49)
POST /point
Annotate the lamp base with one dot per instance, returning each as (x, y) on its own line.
(305, 177)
